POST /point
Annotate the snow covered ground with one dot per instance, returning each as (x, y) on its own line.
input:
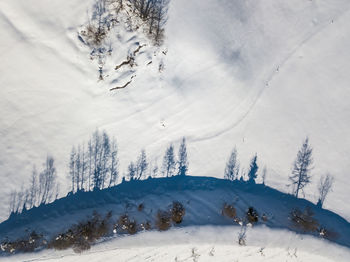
(261, 76)
(203, 199)
(205, 243)
(258, 75)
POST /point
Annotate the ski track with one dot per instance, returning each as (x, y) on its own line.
(276, 69)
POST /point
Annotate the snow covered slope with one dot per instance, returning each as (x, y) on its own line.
(204, 233)
(202, 197)
(203, 244)
(259, 75)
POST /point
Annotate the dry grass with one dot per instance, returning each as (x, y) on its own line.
(146, 225)
(163, 220)
(126, 225)
(328, 234)
(81, 236)
(27, 244)
(229, 211)
(252, 215)
(303, 220)
(93, 35)
(140, 207)
(177, 212)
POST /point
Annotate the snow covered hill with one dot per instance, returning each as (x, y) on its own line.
(260, 76)
(203, 226)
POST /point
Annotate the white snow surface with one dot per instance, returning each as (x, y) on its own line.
(204, 243)
(261, 75)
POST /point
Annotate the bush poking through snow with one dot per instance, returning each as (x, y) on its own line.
(126, 225)
(140, 207)
(146, 226)
(303, 220)
(252, 215)
(264, 217)
(28, 244)
(94, 35)
(177, 212)
(242, 236)
(328, 234)
(229, 211)
(163, 220)
(81, 244)
(63, 241)
(81, 236)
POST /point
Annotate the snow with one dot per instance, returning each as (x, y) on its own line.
(258, 75)
(204, 243)
(202, 197)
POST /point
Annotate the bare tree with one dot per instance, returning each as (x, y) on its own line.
(83, 168)
(131, 171)
(97, 167)
(47, 180)
(160, 17)
(144, 7)
(141, 165)
(33, 189)
(253, 169)
(114, 173)
(183, 162)
(72, 167)
(263, 175)
(232, 166)
(324, 187)
(154, 12)
(78, 166)
(169, 163)
(90, 164)
(13, 202)
(300, 176)
(106, 155)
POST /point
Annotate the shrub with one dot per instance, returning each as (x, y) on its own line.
(146, 226)
(163, 220)
(27, 244)
(242, 236)
(177, 212)
(252, 215)
(229, 211)
(81, 236)
(62, 241)
(94, 35)
(304, 220)
(81, 244)
(141, 207)
(125, 225)
(93, 229)
(328, 234)
(264, 217)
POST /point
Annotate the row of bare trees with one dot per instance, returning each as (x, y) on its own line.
(154, 14)
(233, 171)
(299, 178)
(105, 13)
(94, 165)
(171, 164)
(301, 174)
(43, 188)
